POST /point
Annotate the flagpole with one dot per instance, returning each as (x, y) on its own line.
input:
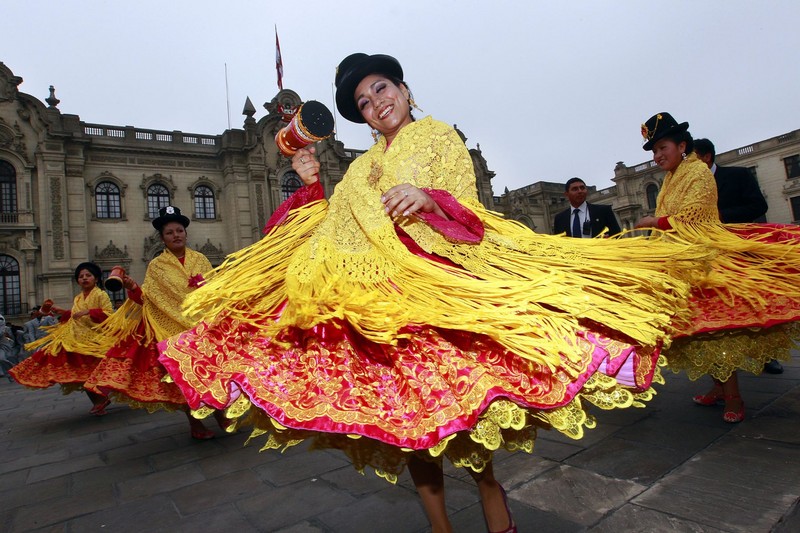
(227, 96)
(278, 60)
(333, 99)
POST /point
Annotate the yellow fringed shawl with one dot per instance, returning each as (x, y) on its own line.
(344, 260)
(77, 334)
(754, 268)
(166, 285)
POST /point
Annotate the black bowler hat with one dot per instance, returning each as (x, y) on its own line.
(659, 126)
(169, 213)
(349, 74)
(93, 269)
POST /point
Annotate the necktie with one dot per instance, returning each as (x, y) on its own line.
(576, 224)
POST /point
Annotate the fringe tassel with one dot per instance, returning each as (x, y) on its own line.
(525, 291)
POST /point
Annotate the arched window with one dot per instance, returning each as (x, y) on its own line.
(8, 192)
(204, 203)
(652, 194)
(290, 183)
(10, 294)
(157, 197)
(106, 197)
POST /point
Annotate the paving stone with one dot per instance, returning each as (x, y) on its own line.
(138, 449)
(678, 435)
(159, 482)
(576, 495)
(291, 504)
(236, 460)
(128, 518)
(349, 480)
(30, 460)
(303, 527)
(16, 493)
(87, 482)
(790, 522)
(223, 518)
(190, 452)
(199, 497)
(527, 519)
(36, 514)
(306, 466)
(634, 519)
(390, 511)
(75, 464)
(633, 461)
(737, 485)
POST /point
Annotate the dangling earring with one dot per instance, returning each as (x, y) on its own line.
(413, 104)
(683, 155)
(375, 135)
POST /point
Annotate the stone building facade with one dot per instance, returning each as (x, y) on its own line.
(775, 162)
(72, 191)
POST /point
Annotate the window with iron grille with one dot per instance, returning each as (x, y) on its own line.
(204, 203)
(107, 200)
(157, 197)
(10, 293)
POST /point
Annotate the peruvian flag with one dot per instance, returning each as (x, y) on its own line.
(278, 60)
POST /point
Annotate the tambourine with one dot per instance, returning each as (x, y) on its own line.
(312, 123)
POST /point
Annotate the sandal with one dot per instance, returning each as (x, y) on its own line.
(707, 399)
(734, 416)
(99, 409)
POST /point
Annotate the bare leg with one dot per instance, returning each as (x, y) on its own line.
(429, 479)
(222, 420)
(498, 518)
(99, 402)
(733, 398)
(197, 427)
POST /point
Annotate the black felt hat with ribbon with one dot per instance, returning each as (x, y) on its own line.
(659, 126)
(349, 74)
(167, 214)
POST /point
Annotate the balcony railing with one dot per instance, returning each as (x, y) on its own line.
(136, 134)
(17, 217)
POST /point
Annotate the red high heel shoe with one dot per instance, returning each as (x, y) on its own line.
(512, 528)
(99, 409)
(733, 417)
(708, 399)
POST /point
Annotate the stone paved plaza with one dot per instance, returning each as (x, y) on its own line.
(671, 467)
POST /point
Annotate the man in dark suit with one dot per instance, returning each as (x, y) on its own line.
(583, 219)
(739, 199)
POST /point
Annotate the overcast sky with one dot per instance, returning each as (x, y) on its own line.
(549, 89)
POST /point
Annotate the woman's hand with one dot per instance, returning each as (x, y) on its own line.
(80, 314)
(306, 165)
(405, 200)
(647, 222)
(128, 282)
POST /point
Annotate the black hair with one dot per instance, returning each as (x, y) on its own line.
(683, 136)
(571, 181)
(704, 147)
(399, 82)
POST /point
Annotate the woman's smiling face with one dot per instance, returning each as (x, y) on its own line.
(383, 105)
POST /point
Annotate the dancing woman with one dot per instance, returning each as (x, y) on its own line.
(68, 354)
(401, 322)
(131, 373)
(746, 306)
